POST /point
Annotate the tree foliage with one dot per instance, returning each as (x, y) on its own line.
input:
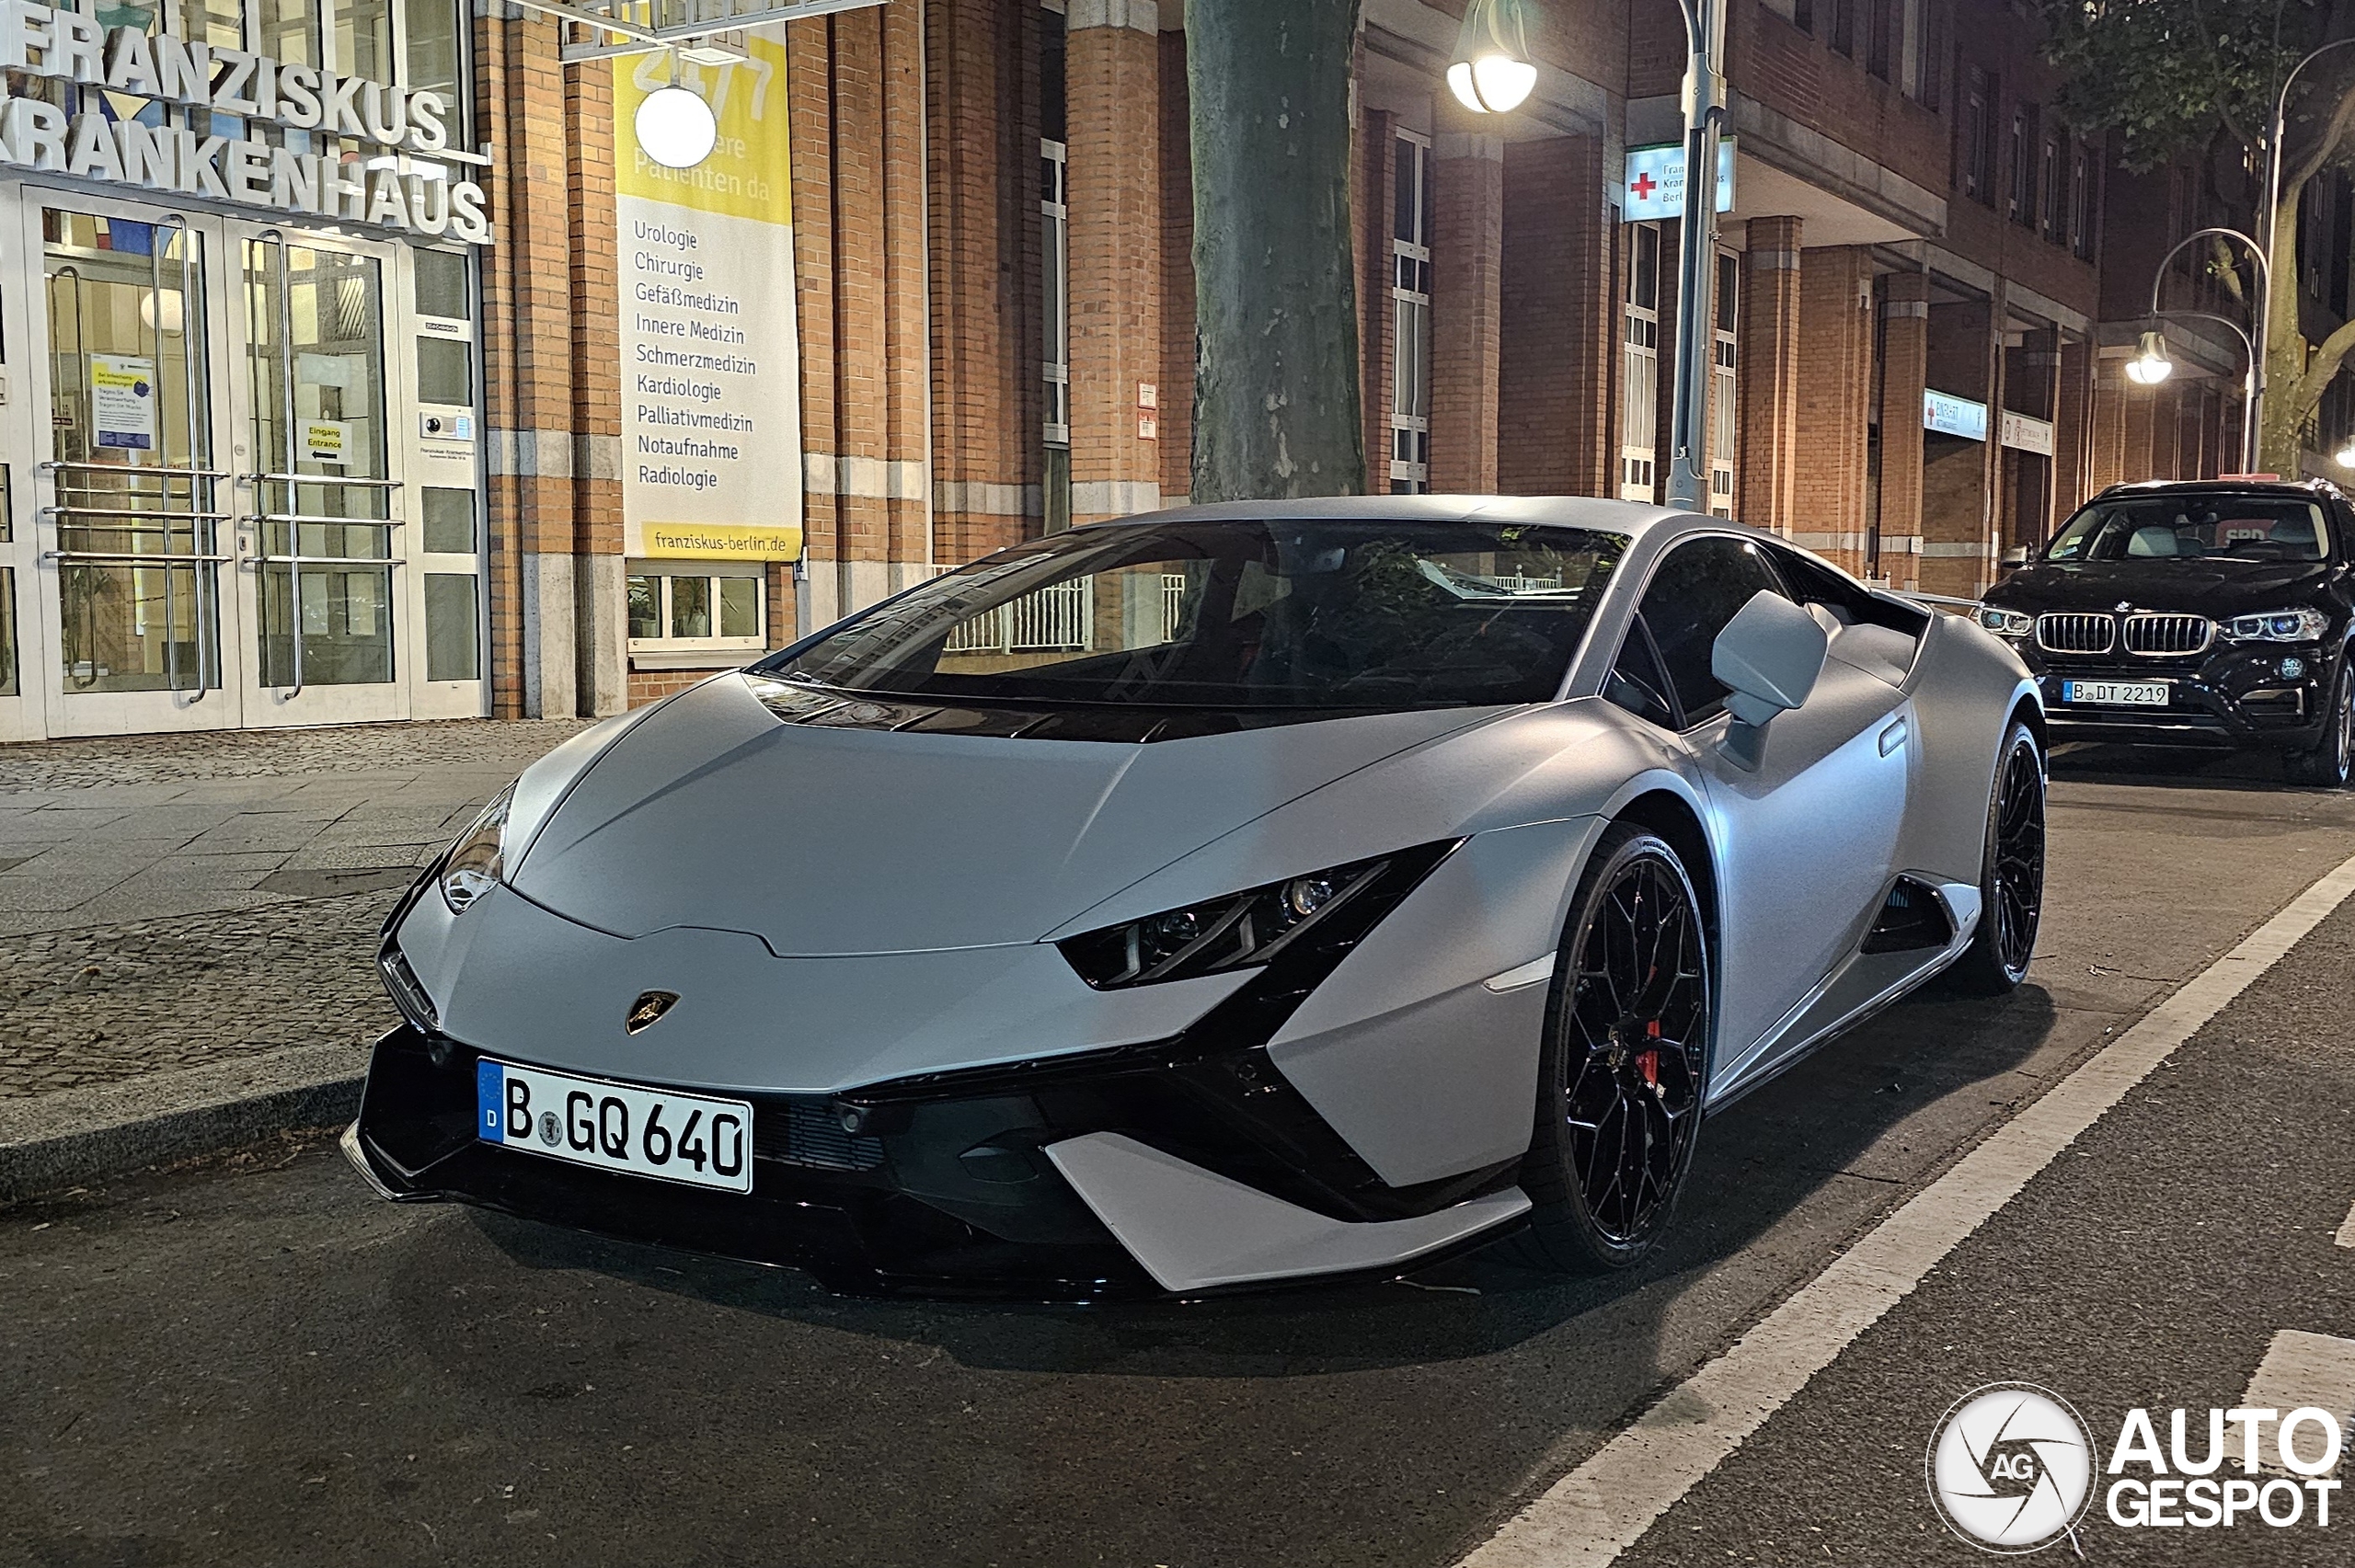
(2199, 79)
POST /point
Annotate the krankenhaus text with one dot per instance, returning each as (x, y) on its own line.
(37, 136)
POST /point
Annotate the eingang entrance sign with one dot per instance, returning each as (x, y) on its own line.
(427, 200)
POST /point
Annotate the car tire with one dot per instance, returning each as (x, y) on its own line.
(1622, 1062)
(2330, 763)
(2011, 877)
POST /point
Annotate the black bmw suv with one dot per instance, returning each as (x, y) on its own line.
(2212, 613)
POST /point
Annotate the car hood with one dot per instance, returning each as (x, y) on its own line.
(715, 812)
(2209, 588)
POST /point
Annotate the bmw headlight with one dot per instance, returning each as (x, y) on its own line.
(1325, 913)
(2007, 623)
(476, 863)
(2278, 626)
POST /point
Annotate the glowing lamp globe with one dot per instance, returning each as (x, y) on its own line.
(676, 128)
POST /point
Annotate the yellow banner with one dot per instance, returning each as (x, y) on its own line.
(748, 174)
(715, 541)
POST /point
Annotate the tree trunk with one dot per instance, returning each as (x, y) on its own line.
(1276, 408)
(2279, 448)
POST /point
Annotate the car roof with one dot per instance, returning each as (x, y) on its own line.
(2304, 489)
(1633, 518)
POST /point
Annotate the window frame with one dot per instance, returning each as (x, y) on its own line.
(1410, 264)
(665, 572)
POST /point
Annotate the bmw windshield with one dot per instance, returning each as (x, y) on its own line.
(1237, 614)
(2201, 527)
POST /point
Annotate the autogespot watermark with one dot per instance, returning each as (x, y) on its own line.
(2011, 1469)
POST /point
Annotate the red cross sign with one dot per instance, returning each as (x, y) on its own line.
(1644, 185)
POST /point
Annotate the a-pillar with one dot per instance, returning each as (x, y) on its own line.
(1558, 314)
(1905, 351)
(1112, 65)
(528, 395)
(1467, 256)
(1769, 360)
(1835, 411)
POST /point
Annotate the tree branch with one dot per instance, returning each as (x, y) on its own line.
(2341, 118)
(2306, 392)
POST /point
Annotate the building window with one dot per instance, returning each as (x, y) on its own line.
(1841, 33)
(2083, 204)
(1977, 131)
(1913, 55)
(1723, 389)
(1410, 304)
(7, 596)
(1881, 21)
(1639, 388)
(2022, 204)
(681, 608)
(2052, 182)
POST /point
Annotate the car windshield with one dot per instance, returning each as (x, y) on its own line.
(2172, 528)
(1289, 613)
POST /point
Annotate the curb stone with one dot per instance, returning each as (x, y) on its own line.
(50, 1142)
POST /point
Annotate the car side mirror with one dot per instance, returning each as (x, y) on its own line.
(2016, 557)
(1771, 653)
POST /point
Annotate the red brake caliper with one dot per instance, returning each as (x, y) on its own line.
(1647, 1061)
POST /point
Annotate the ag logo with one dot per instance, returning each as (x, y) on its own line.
(648, 1010)
(2010, 1467)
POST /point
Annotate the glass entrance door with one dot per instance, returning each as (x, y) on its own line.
(135, 620)
(319, 533)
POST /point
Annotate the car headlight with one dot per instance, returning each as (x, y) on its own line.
(477, 860)
(2278, 626)
(1323, 913)
(2007, 623)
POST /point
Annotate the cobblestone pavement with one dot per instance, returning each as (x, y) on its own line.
(167, 902)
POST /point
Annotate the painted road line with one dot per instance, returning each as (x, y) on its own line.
(2301, 1369)
(1600, 1509)
(2346, 1232)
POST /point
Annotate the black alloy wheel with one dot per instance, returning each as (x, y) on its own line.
(2329, 763)
(1625, 1059)
(2011, 886)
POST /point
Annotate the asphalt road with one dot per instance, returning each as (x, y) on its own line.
(255, 1362)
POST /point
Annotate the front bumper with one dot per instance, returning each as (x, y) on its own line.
(2236, 697)
(1184, 1166)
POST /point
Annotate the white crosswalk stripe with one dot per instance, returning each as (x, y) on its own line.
(2301, 1369)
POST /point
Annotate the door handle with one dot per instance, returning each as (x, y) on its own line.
(1893, 736)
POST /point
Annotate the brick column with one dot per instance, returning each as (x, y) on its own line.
(2073, 427)
(1905, 351)
(1559, 318)
(1768, 461)
(1467, 254)
(528, 395)
(601, 606)
(1834, 410)
(2106, 464)
(855, 92)
(1955, 471)
(981, 107)
(1113, 105)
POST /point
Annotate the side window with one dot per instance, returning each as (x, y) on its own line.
(1702, 585)
(1637, 684)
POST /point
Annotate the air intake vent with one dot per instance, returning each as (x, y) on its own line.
(1910, 918)
(810, 1132)
(2162, 636)
(2075, 633)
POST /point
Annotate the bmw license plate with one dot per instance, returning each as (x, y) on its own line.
(2132, 693)
(615, 1127)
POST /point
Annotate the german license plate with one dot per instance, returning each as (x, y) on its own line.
(615, 1127)
(2132, 693)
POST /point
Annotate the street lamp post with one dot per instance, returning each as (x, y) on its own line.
(1491, 73)
(2151, 366)
(2261, 340)
(1705, 113)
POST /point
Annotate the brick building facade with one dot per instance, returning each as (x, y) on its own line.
(1928, 288)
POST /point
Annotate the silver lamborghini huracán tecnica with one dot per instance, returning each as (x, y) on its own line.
(1223, 895)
